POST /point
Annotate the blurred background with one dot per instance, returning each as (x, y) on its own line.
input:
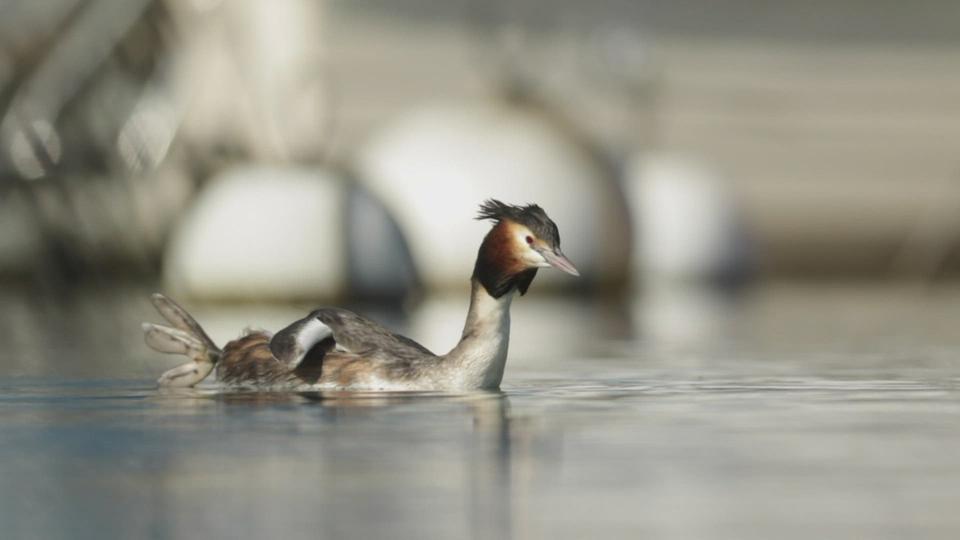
(763, 199)
(297, 152)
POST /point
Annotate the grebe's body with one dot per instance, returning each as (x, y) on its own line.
(336, 349)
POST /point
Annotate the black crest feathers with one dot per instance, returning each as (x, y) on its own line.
(495, 210)
(531, 215)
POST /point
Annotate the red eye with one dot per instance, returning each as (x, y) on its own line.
(530, 240)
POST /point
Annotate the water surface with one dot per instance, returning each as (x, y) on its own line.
(790, 414)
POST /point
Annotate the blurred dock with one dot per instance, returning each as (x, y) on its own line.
(827, 126)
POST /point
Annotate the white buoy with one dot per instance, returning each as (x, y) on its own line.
(434, 166)
(261, 233)
(686, 224)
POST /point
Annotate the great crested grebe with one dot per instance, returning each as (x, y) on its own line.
(332, 348)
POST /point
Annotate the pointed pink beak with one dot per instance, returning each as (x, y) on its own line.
(559, 261)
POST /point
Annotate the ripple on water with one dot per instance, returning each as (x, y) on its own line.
(842, 448)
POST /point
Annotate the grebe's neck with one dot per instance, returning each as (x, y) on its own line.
(480, 356)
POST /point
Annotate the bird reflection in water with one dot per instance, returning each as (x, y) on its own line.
(478, 472)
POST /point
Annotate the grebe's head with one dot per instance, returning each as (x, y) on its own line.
(523, 239)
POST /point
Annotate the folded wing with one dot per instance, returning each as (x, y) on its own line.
(334, 329)
(292, 344)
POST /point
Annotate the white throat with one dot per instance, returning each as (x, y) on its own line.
(478, 360)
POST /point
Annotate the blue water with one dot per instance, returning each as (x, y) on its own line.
(778, 417)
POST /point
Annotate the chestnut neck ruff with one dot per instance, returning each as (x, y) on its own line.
(498, 268)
